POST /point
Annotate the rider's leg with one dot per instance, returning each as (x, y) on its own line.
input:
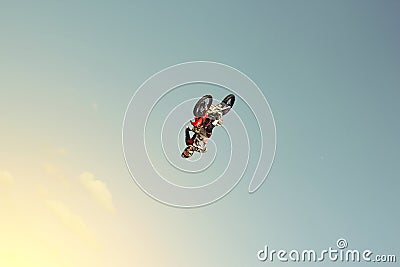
(187, 132)
(187, 135)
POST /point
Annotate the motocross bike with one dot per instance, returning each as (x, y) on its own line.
(207, 116)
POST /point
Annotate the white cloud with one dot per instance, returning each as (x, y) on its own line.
(6, 178)
(98, 189)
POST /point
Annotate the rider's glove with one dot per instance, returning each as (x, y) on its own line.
(217, 122)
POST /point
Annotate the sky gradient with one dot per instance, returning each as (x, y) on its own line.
(329, 70)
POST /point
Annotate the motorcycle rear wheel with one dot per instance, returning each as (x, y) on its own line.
(201, 107)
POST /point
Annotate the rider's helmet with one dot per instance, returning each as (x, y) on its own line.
(187, 152)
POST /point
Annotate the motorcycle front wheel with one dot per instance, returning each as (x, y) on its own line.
(229, 100)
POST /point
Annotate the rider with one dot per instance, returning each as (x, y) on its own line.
(203, 125)
(202, 128)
